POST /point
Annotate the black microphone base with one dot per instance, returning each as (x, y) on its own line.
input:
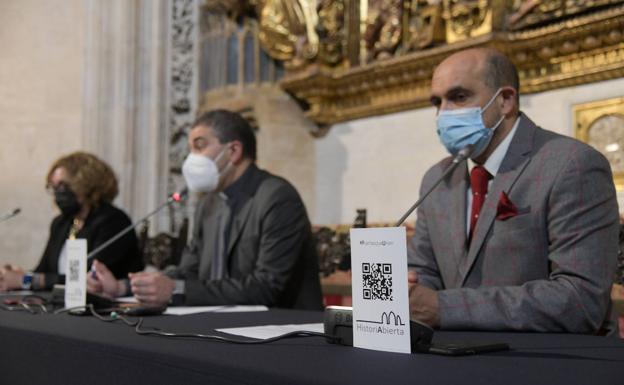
(338, 322)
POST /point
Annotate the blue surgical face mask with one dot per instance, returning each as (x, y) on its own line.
(461, 127)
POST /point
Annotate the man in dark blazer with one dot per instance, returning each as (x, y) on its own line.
(252, 241)
(525, 236)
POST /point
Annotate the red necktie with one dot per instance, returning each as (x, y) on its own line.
(479, 178)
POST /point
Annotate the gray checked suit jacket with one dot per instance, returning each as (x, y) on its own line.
(270, 258)
(548, 268)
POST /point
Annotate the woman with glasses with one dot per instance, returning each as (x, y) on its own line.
(83, 188)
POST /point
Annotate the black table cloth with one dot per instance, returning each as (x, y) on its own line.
(65, 349)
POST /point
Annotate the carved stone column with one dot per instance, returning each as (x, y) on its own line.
(182, 95)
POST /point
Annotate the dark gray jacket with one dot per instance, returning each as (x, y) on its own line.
(270, 258)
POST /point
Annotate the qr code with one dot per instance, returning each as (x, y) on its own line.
(73, 266)
(377, 281)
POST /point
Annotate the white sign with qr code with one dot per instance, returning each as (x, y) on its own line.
(379, 289)
(76, 273)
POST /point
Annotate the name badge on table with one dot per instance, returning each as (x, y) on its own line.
(76, 273)
(379, 289)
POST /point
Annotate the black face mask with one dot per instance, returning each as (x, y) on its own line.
(67, 202)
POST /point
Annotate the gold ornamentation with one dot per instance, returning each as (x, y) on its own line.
(529, 13)
(383, 28)
(601, 124)
(425, 26)
(330, 29)
(466, 18)
(341, 75)
(287, 30)
(548, 57)
(75, 228)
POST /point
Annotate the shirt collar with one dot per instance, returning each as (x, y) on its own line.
(494, 161)
(244, 185)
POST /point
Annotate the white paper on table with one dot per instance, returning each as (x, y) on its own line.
(18, 292)
(185, 310)
(270, 331)
(126, 300)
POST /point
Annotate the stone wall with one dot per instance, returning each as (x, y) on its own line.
(40, 105)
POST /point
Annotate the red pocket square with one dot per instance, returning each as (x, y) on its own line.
(505, 209)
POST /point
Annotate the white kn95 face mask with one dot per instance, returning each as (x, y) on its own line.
(201, 173)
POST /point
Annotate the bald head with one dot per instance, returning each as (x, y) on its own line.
(488, 65)
(500, 71)
(479, 78)
(474, 69)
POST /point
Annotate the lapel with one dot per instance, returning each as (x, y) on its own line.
(58, 239)
(515, 161)
(457, 199)
(248, 185)
(209, 234)
(238, 223)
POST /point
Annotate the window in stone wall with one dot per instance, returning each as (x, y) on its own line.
(231, 55)
(232, 59)
(249, 59)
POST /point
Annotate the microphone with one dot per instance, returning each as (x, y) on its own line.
(461, 156)
(10, 214)
(175, 197)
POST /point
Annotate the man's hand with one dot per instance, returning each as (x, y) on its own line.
(104, 281)
(423, 302)
(11, 277)
(412, 279)
(151, 288)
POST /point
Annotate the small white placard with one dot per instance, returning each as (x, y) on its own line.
(76, 273)
(379, 289)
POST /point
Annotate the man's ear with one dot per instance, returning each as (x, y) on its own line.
(236, 152)
(509, 100)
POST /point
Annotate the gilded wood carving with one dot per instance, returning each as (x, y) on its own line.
(348, 59)
(601, 124)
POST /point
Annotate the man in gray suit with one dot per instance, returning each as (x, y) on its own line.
(523, 237)
(252, 242)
